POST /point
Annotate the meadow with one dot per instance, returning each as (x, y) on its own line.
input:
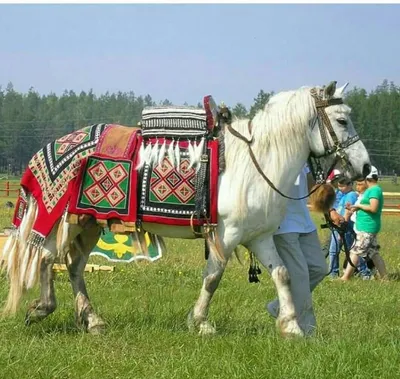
(145, 306)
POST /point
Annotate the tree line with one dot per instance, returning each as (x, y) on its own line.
(29, 120)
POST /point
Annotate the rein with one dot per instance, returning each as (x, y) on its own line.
(341, 230)
(257, 166)
(324, 125)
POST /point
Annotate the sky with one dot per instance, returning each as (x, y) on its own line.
(184, 52)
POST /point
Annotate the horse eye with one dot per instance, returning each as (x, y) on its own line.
(342, 121)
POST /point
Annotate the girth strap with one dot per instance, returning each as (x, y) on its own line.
(200, 185)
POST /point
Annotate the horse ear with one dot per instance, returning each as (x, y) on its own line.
(329, 91)
(340, 91)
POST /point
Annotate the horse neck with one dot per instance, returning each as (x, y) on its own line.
(280, 155)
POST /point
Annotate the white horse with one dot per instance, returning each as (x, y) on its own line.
(281, 137)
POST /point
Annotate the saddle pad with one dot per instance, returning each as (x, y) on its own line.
(106, 189)
(167, 194)
(188, 122)
(118, 141)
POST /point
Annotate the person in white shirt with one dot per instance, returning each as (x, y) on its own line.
(299, 247)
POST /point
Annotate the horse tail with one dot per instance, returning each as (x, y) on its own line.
(20, 259)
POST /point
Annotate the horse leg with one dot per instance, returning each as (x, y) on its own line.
(264, 248)
(78, 256)
(46, 304)
(212, 275)
(197, 317)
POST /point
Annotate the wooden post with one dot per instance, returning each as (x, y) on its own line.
(7, 188)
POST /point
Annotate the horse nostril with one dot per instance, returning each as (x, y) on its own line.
(366, 170)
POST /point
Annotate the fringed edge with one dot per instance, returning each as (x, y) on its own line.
(154, 154)
(192, 156)
(141, 156)
(144, 156)
(9, 244)
(171, 155)
(198, 153)
(177, 157)
(31, 260)
(161, 154)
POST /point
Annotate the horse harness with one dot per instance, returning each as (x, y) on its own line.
(325, 127)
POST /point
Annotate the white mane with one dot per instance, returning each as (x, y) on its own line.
(280, 131)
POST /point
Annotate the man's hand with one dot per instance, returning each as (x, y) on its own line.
(336, 218)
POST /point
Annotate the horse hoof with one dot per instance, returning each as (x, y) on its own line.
(96, 325)
(36, 313)
(206, 329)
(97, 329)
(289, 328)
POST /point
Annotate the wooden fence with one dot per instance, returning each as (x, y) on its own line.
(8, 188)
(391, 203)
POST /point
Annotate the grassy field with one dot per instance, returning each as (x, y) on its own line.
(145, 306)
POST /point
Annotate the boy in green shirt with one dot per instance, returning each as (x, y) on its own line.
(368, 225)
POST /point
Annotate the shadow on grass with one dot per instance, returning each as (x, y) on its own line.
(394, 276)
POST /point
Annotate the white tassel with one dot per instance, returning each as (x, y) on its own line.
(145, 157)
(147, 153)
(9, 244)
(198, 151)
(11, 260)
(161, 155)
(141, 157)
(24, 264)
(177, 157)
(154, 154)
(192, 157)
(8, 253)
(171, 153)
(32, 275)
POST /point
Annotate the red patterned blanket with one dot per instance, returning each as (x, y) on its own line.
(50, 177)
(111, 188)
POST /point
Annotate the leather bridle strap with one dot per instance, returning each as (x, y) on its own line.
(257, 166)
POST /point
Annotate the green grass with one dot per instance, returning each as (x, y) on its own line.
(145, 306)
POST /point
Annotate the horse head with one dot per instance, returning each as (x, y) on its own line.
(333, 140)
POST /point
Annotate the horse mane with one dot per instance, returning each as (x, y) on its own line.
(279, 130)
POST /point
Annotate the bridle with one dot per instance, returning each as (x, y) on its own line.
(325, 128)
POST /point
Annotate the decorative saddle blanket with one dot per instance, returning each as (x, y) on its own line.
(111, 188)
(106, 185)
(50, 176)
(122, 173)
(142, 179)
(168, 189)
